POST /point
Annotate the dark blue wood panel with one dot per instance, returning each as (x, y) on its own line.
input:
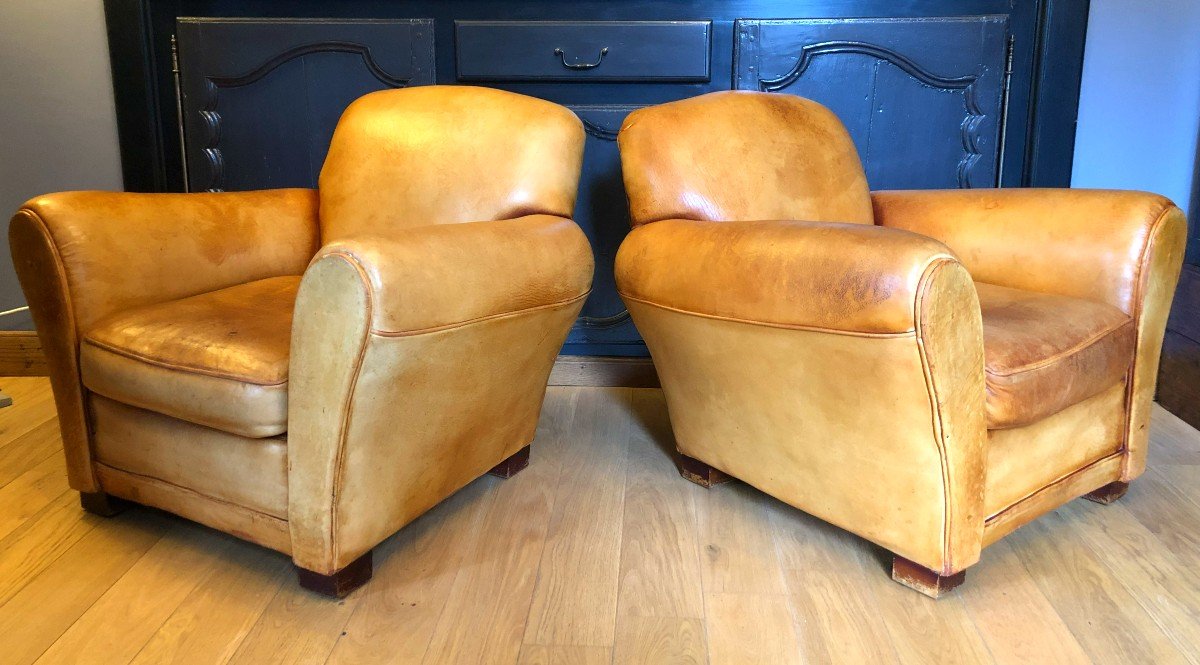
(582, 50)
(922, 98)
(260, 98)
(603, 213)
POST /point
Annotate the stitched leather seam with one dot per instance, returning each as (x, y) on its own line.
(931, 389)
(1051, 485)
(480, 319)
(1057, 357)
(192, 491)
(180, 367)
(767, 324)
(1142, 287)
(60, 268)
(339, 455)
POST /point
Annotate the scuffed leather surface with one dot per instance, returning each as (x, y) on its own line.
(81, 256)
(231, 518)
(1044, 352)
(826, 276)
(247, 472)
(741, 156)
(446, 154)
(1086, 244)
(218, 359)
(410, 270)
(807, 416)
(383, 427)
(1023, 460)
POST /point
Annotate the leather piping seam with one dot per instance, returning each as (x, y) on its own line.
(480, 319)
(931, 389)
(339, 455)
(1059, 356)
(1066, 477)
(768, 324)
(189, 490)
(60, 268)
(1142, 287)
(180, 367)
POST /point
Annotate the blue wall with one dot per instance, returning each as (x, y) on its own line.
(1140, 104)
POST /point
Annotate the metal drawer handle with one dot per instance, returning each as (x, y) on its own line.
(580, 65)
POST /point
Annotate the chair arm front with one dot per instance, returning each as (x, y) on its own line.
(838, 367)
(81, 256)
(419, 361)
(1116, 247)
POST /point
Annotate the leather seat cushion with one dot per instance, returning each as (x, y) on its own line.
(218, 359)
(1043, 353)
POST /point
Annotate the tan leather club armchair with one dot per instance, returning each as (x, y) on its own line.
(929, 370)
(312, 371)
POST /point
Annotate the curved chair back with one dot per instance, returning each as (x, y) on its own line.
(447, 154)
(742, 156)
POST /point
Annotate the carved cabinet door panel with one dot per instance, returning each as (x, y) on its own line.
(923, 98)
(601, 209)
(259, 98)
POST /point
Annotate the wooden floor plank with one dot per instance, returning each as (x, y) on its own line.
(29, 493)
(211, 622)
(824, 568)
(33, 404)
(1107, 621)
(1012, 615)
(1166, 584)
(539, 654)
(28, 450)
(660, 552)
(121, 621)
(68, 587)
(660, 639)
(487, 606)
(41, 540)
(575, 600)
(751, 628)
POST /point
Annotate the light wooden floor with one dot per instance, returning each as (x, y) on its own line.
(597, 552)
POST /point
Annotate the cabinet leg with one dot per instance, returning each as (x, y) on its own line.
(341, 583)
(102, 503)
(920, 578)
(1109, 493)
(700, 473)
(512, 465)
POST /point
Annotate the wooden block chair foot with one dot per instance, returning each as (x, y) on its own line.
(1109, 493)
(103, 504)
(512, 465)
(341, 583)
(920, 578)
(277, 364)
(700, 473)
(986, 354)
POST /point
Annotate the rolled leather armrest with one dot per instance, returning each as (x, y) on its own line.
(440, 275)
(1080, 243)
(838, 367)
(846, 277)
(419, 361)
(81, 256)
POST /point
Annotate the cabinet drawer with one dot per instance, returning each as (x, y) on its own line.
(578, 50)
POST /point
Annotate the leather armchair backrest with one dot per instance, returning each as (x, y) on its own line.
(742, 156)
(446, 154)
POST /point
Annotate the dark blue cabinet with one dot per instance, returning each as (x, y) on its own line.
(260, 98)
(922, 97)
(921, 84)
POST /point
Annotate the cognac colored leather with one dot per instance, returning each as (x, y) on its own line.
(211, 357)
(218, 359)
(930, 390)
